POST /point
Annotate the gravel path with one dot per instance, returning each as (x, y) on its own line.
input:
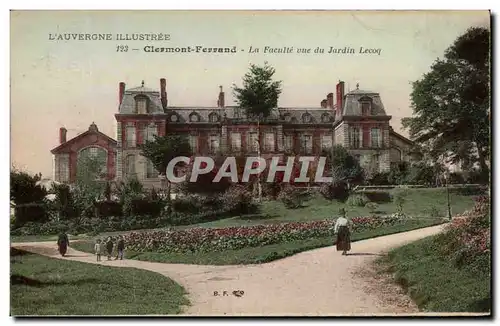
(319, 282)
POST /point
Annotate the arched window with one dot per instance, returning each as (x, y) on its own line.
(93, 159)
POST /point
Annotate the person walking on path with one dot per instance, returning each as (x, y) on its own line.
(343, 232)
(98, 249)
(109, 247)
(63, 243)
(120, 247)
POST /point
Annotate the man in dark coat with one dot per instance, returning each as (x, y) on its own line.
(109, 247)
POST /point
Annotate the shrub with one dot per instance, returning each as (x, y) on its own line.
(108, 208)
(337, 190)
(64, 204)
(377, 196)
(238, 200)
(146, 207)
(380, 179)
(357, 200)
(372, 206)
(399, 197)
(291, 197)
(191, 204)
(204, 184)
(23, 188)
(33, 212)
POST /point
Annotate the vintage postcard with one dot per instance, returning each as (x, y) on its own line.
(250, 163)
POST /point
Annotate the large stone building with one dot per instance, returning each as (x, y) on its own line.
(356, 120)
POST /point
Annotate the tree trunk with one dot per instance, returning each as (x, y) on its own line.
(482, 164)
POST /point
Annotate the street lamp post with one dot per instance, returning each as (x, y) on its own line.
(446, 178)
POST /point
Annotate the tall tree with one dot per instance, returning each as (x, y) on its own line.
(90, 183)
(451, 103)
(342, 165)
(24, 188)
(259, 94)
(163, 149)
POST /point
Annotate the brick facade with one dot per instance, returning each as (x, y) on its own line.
(67, 153)
(287, 131)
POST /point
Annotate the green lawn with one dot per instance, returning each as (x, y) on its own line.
(258, 255)
(48, 286)
(420, 203)
(434, 283)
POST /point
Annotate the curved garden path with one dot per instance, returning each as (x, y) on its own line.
(317, 282)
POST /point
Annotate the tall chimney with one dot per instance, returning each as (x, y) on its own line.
(324, 104)
(62, 135)
(220, 101)
(121, 91)
(340, 96)
(329, 101)
(163, 92)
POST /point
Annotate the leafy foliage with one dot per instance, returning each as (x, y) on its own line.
(89, 186)
(163, 149)
(337, 190)
(23, 187)
(451, 103)
(399, 197)
(342, 165)
(259, 94)
(357, 200)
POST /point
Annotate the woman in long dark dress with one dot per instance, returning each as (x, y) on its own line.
(343, 233)
(63, 243)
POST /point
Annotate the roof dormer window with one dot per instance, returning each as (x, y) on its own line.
(141, 105)
(213, 117)
(325, 118)
(194, 117)
(366, 106)
(306, 118)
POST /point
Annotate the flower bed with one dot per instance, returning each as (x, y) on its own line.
(469, 234)
(220, 239)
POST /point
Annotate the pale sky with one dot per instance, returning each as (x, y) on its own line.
(75, 83)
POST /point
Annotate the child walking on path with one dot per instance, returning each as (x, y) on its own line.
(109, 247)
(120, 246)
(97, 249)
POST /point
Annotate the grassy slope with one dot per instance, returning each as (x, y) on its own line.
(262, 254)
(418, 204)
(58, 287)
(434, 283)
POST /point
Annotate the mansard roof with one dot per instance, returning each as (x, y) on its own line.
(353, 99)
(287, 115)
(128, 104)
